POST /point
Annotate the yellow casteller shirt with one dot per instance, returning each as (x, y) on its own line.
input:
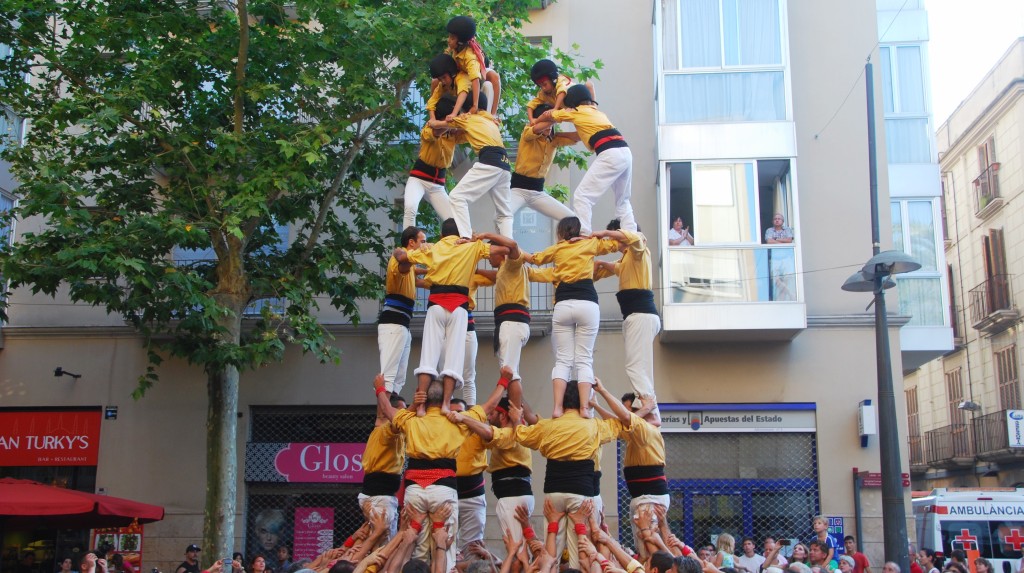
(536, 152)
(431, 437)
(506, 452)
(472, 458)
(449, 263)
(574, 261)
(587, 119)
(479, 130)
(436, 150)
(645, 446)
(397, 282)
(634, 268)
(469, 64)
(385, 450)
(568, 438)
(561, 86)
(441, 90)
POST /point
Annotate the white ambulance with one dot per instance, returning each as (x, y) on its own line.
(989, 521)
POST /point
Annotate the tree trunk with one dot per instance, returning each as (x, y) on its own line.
(221, 464)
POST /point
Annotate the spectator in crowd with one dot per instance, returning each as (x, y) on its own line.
(66, 566)
(750, 561)
(929, 561)
(892, 567)
(679, 235)
(800, 554)
(284, 558)
(773, 553)
(860, 561)
(191, 562)
(725, 548)
(778, 232)
(981, 565)
(818, 556)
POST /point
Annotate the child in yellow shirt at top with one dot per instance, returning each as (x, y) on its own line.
(462, 46)
(553, 87)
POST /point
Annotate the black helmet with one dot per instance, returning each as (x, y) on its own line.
(481, 103)
(443, 64)
(544, 69)
(577, 94)
(445, 107)
(541, 108)
(463, 27)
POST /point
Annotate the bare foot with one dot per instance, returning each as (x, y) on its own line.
(556, 413)
(421, 411)
(445, 410)
(586, 412)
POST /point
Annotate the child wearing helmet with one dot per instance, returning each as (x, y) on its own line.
(463, 47)
(553, 87)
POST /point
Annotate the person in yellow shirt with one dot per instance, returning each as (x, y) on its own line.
(613, 167)
(450, 264)
(553, 87)
(576, 316)
(640, 320)
(463, 47)
(443, 70)
(394, 340)
(431, 445)
(537, 146)
(491, 174)
(383, 461)
(429, 173)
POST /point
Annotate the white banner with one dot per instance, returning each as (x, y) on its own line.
(1015, 428)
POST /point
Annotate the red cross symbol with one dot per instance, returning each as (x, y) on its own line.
(1014, 538)
(965, 538)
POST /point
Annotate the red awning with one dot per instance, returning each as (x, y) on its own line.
(25, 503)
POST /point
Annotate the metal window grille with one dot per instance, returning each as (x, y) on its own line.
(271, 505)
(738, 483)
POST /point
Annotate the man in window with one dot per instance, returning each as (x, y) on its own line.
(778, 233)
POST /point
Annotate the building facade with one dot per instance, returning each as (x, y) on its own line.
(957, 405)
(734, 112)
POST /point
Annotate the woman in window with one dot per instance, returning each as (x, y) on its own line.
(679, 235)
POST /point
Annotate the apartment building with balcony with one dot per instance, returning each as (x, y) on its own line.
(957, 405)
(734, 111)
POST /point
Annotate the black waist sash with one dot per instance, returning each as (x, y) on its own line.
(636, 300)
(397, 310)
(438, 464)
(427, 172)
(575, 477)
(645, 480)
(495, 156)
(607, 139)
(511, 482)
(597, 483)
(524, 182)
(470, 486)
(579, 290)
(381, 483)
(508, 313)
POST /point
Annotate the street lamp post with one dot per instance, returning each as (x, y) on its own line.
(875, 276)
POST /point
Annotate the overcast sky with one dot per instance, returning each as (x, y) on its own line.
(967, 39)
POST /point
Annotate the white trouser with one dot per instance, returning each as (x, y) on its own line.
(415, 190)
(386, 504)
(472, 516)
(444, 335)
(598, 508)
(511, 340)
(427, 500)
(638, 331)
(634, 505)
(394, 342)
(574, 325)
(506, 512)
(566, 538)
(540, 202)
(613, 169)
(469, 368)
(478, 181)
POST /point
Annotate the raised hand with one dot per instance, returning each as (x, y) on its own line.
(550, 513)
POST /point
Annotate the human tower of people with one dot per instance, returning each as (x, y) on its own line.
(434, 452)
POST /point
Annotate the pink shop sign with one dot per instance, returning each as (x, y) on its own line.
(314, 532)
(321, 463)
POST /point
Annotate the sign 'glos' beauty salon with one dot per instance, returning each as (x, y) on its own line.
(49, 437)
(294, 462)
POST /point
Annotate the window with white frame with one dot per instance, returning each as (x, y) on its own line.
(907, 135)
(723, 61)
(914, 232)
(729, 207)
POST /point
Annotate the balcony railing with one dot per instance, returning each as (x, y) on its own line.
(949, 446)
(992, 440)
(916, 451)
(992, 304)
(986, 191)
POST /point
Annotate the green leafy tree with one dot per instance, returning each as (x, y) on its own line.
(188, 160)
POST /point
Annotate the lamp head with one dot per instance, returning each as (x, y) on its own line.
(861, 282)
(890, 263)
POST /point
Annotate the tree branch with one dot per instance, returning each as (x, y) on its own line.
(243, 60)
